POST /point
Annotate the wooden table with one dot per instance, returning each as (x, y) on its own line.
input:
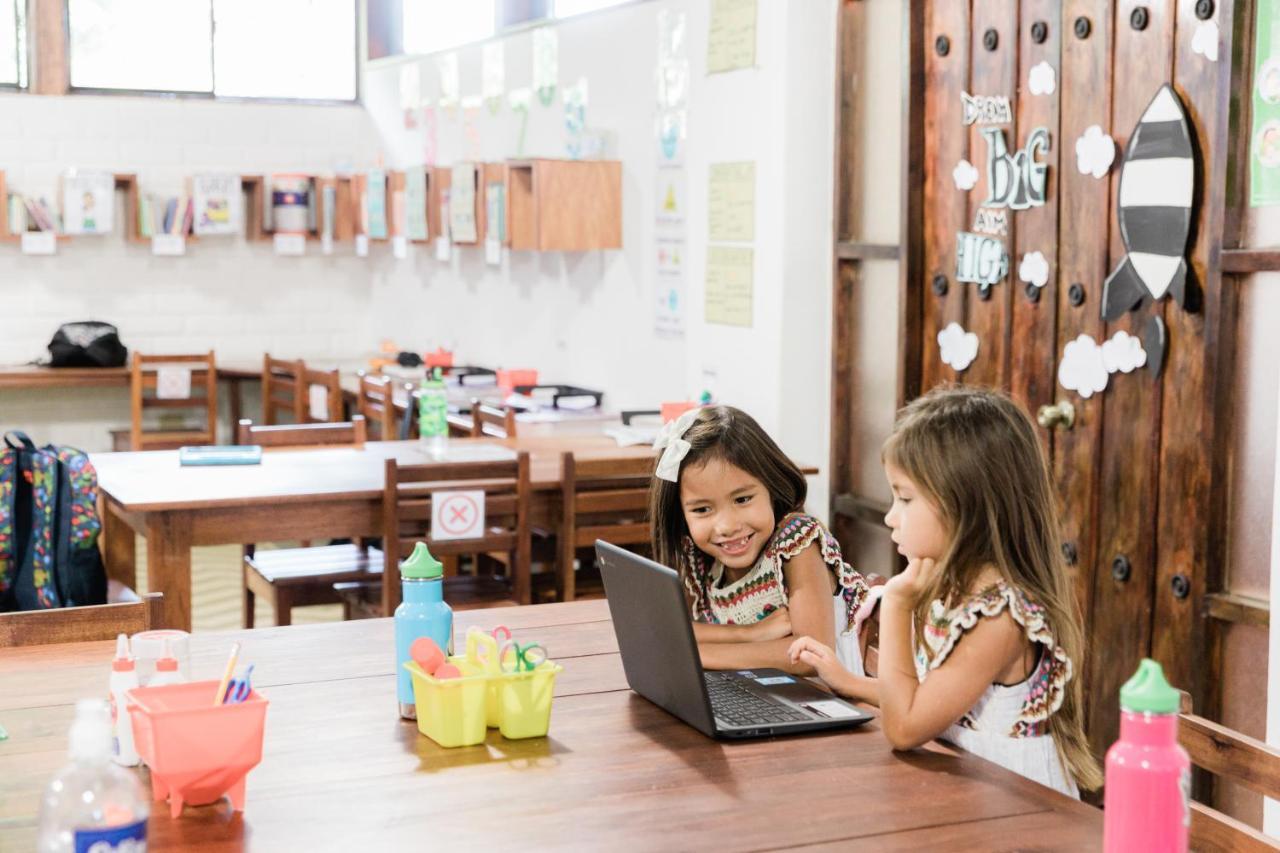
(293, 494)
(614, 773)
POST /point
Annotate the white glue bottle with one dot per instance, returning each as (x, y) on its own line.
(123, 678)
(167, 671)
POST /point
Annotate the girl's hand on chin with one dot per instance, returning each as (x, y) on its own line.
(906, 586)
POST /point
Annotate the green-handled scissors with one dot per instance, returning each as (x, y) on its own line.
(524, 658)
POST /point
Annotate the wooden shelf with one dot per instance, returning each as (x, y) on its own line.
(254, 187)
(431, 232)
(439, 180)
(564, 205)
(396, 212)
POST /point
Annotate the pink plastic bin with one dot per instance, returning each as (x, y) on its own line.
(674, 409)
(509, 379)
(197, 751)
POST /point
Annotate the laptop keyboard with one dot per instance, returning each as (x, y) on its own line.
(738, 706)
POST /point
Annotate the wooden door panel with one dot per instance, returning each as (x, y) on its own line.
(994, 73)
(1032, 346)
(1120, 633)
(946, 208)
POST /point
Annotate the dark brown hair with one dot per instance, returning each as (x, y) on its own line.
(731, 435)
(975, 454)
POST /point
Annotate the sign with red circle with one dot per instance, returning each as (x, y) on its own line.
(457, 515)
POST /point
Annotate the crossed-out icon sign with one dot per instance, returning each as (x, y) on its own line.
(458, 515)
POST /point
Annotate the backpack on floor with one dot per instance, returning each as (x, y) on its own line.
(49, 527)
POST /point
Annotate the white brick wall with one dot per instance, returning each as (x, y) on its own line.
(237, 298)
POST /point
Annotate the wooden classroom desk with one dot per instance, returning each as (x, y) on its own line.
(312, 493)
(340, 769)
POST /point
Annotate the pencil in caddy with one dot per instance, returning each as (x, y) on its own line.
(510, 692)
(197, 751)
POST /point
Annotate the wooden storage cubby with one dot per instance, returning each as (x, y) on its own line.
(564, 205)
(491, 174)
(430, 181)
(344, 213)
(254, 187)
(439, 180)
(395, 200)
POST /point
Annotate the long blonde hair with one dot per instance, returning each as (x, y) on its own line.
(976, 455)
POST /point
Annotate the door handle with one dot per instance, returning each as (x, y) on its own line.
(1060, 415)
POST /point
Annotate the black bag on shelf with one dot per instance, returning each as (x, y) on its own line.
(87, 344)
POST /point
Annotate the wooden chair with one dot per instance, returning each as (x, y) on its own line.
(283, 401)
(331, 383)
(406, 520)
(492, 421)
(376, 402)
(144, 378)
(297, 577)
(1244, 760)
(81, 624)
(601, 499)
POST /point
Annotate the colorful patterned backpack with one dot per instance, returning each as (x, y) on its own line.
(48, 527)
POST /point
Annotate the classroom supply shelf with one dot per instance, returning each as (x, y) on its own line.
(564, 205)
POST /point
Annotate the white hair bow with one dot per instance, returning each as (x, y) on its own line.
(673, 446)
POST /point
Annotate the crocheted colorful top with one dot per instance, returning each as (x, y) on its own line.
(1044, 688)
(763, 590)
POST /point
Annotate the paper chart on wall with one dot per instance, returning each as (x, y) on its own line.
(729, 285)
(493, 78)
(410, 93)
(731, 202)
(450, 87)
(462, 203)
(671, 196)
(731, 38)
(669, 286)
(546, 64)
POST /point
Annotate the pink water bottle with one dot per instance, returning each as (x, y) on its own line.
(1148, 799)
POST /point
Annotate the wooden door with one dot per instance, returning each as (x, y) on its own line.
(990, 81)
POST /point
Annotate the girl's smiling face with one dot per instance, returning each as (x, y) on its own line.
(728, 511)
(917, 526)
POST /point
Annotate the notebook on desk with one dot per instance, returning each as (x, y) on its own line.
(230, 454)
(660, 658)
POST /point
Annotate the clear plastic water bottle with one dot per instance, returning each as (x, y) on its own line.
(433, 414)
(92, 804)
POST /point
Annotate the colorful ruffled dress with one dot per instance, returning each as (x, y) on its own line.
(1009, 723)
(763, 590)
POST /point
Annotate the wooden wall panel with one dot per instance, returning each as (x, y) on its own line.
(946, 209)
(1120, 634)
(1032, 350)
(994, 72)
(1082, 260)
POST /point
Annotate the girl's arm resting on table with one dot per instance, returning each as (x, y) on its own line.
(773, 626)
(913, 713)
(823, 660)
(808, 611)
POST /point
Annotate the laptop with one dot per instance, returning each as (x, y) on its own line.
(660, 657)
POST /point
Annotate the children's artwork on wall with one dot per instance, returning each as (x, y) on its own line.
(1157, 186)
(1264, 160)
(1034, 269)
(993, 222)
(985, 109)
(430, 129)
(1043, 80)
(965, 174)
(980, 259)
(546, 64)
(410, 94)
(450, 87)
(493, 80)
(519, 100)
(88, 202)
(1082, 368)
(671, 194)
(669, 129)
(957, 347)
(1095, 152)
(575, 117)
(1205, 40)
(1016, 181)
(471, 126)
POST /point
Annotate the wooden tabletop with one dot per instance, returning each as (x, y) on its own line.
(615, 771)
(154, 480)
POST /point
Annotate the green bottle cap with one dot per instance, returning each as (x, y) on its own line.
(434, 379)
(421, 565)
(1148, 691)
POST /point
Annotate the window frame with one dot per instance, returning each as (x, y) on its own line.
(356, 100)
(23, 50)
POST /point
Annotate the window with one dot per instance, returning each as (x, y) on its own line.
(431, 25)
(13, 43)
(569, 8)
(303, 49)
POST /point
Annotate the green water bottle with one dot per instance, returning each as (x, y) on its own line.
(433, 414)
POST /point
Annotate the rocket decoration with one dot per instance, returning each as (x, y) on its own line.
(1157, 185)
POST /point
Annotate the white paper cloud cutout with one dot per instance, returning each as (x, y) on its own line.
(1082, 368)
(959, 348)
(1095, 152)
(965, 174)
(1123, 353)
(1034, 269)
(1043, 79)
(1205, 41)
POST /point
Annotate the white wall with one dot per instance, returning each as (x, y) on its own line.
(587, 318)
(226, 294)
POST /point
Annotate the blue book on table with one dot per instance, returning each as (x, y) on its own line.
(230, 454)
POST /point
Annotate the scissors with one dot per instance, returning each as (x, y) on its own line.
(238, 689)
(525, 658)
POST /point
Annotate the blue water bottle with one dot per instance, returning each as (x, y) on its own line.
(422, 613)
